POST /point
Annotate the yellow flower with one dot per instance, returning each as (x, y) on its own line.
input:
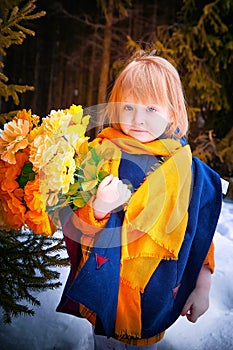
(75, 110)
(13, 138)
(81, 149)
(78, 124)
(57, 172)
(43, 138)
(56, 123)
(36, 151)
(53, 150)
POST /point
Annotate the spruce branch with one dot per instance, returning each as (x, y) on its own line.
(12, 20)
(13, 31)
(28, 264)
(13, 91)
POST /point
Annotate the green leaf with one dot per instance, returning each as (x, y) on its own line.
(95, 156)
(89, 185)
(26, 175)
(73, 188)
(102, 174)
(79, 202)
(27, 168)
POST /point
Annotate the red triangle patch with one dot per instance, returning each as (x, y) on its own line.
(175, 290)
(100, 261)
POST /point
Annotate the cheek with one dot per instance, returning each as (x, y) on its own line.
(125, 119)
(158, 126)
(124, 128)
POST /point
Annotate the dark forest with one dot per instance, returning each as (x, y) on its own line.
(79, 47)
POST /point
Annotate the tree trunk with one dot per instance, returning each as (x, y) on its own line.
(91, 75)
(103, 83)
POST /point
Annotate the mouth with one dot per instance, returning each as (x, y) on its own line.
(138, 130)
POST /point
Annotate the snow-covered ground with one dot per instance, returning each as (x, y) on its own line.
(49, 330)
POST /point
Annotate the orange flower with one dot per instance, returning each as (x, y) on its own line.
(10, 172)
(36, 218)
(3, 226)
(13, 138)
(40, 223)
(18, 192)
(9, 185)
(22, 157)
(53, 148)
(32, 196)
(13, 210)
(24, 115)
(2, 170)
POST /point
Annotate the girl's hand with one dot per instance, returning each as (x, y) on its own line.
(111, 194)
(198, 301)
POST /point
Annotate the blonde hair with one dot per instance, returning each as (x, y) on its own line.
(153, 76)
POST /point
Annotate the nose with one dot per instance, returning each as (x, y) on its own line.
(138, 116)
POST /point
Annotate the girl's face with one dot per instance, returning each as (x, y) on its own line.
(144, 122)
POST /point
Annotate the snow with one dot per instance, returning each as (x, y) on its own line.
(49, 330)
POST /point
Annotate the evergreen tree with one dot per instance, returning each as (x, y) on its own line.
(200, 43)
(13, 32)
(28, 262)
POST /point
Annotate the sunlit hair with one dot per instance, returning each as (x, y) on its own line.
(149, 76)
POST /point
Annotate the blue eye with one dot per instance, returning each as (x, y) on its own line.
(151, 109)
(128, 108)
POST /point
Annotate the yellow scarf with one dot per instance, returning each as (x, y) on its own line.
(155, 222)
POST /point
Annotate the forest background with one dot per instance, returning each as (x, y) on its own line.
(80, 46)
(56, 53)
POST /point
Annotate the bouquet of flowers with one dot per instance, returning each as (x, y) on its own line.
(45, 165)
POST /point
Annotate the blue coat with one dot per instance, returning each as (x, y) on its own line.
(172, 281)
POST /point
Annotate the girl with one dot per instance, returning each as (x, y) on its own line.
(141, 250)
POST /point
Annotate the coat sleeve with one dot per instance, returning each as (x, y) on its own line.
(80, 229)
(84, 219)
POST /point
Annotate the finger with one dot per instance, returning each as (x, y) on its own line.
(128, 194)
(192, 316)
(115, 181)
(125, 198)
(106, 181)
(190, 312)
(186, 309)
(121, 186)
(123, 190)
